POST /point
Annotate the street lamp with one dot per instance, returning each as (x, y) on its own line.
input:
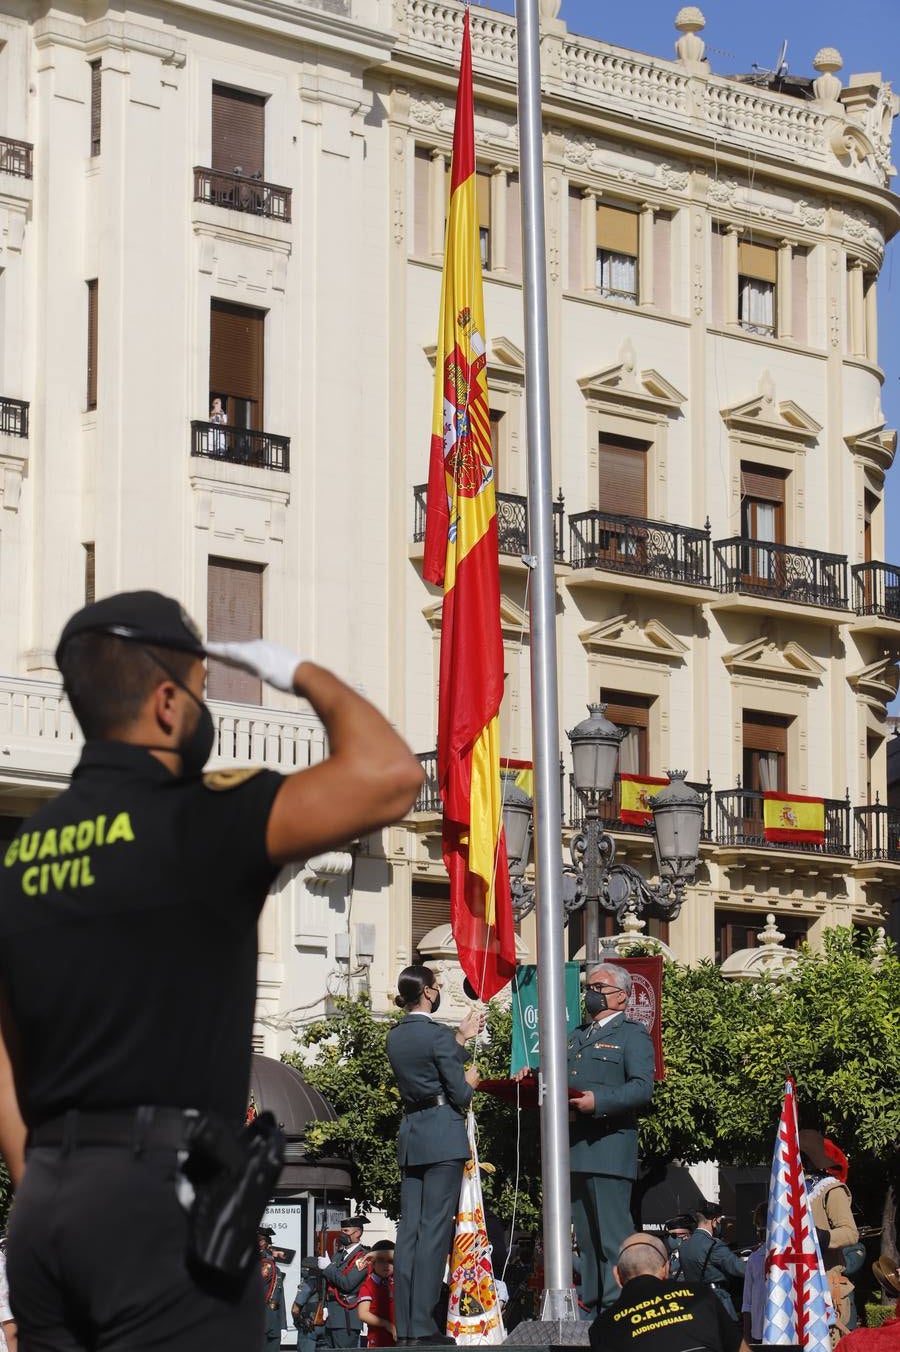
(594, 880)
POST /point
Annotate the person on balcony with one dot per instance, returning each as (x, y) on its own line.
(219, 417)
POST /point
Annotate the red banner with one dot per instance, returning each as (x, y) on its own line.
(645, 1005)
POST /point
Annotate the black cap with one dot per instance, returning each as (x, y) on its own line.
(142, 617)
(356, 1222)
(682, 1222)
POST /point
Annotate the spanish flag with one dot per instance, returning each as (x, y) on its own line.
(636, 794)
(522, 773)
(789, 818)
(461, 553)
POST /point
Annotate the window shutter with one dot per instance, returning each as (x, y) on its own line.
(765, 732)
(96, 88)
(761, 482)
(236, 356)
(92, 342)
(483, 199)
(626, 709)
(233, 613)
(758, 260)
(623, 476)
(430, 906)
(238, 131)
(617, 230)
(90, 587)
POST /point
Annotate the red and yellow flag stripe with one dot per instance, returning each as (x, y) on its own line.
(791, 817)
(636, 794)
(461, 553)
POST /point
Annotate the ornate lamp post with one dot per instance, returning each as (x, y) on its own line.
(594, 880)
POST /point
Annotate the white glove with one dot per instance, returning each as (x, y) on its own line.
(323, 1263)
(269, 661)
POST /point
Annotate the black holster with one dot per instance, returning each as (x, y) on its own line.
(233, 1179)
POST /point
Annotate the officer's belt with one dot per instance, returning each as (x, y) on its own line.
(139, 1129)
(419, 1105)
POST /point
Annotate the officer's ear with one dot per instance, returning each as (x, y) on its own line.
(619, 1281)
(164, 705)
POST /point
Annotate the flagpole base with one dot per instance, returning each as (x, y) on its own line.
(558, 1326)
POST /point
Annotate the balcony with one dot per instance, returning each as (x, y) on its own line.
(632, 545)
(13, 417)
(877, 832)
(611, 811)
(16, 157)
(429, 799)
(512, 522)
(241, 446)
(238, 192)
(739, 821)
(758, 568)
(876, 589)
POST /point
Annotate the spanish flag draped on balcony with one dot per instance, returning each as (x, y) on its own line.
(636, 794)
(790, 818)
(461, 552)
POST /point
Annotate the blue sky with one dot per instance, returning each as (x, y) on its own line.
(866, 33)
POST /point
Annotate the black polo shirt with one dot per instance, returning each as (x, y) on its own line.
(652, 1315)
(128, 910)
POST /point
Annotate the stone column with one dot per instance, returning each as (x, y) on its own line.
(730, 276)
(856, 320)
(437, 203)
(498, 219)
(784, 291)
(646, 294)
(588, 240)
(871, 317)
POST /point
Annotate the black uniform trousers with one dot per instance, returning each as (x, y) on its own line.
(96, 1260)
(429, 1197)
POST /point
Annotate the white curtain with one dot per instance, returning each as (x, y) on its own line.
(768, 770)
(629, 749)
(617, 275)
(757, 306)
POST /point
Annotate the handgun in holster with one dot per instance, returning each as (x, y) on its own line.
(233, 1178)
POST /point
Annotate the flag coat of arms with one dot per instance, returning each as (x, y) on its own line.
(473, 1311)
(461, 553)
(636, 794)
(799, 1309)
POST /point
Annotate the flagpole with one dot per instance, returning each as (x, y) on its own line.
(558, 1300)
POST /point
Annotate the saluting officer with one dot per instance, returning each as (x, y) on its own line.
(611, 1067)
(128, 915)
(428, 1059)
(345, 1274)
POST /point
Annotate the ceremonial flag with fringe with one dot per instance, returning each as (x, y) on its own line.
(799, 1309)
(790, 817)
(461, 553)
(473, 1311)
(636, 794)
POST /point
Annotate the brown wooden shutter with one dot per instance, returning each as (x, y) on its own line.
(236, 358)
(623, 476)
(763, 483)
(238, 131)
(430, 906)
(90, 586)
(617, 230)
(765, 732)
(759, 261)
(233, 613)
(92, 342)
(96, 87)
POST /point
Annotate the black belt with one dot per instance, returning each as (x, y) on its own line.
(419, 1105)
(137, 1129)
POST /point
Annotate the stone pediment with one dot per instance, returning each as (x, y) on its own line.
(766, 421)
(624, 386)
(764, 658)
(503, 355)
(622, 636)
(875, 446)
(514, 621)
(877, 683)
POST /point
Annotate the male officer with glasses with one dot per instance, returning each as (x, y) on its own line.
(611, 1067)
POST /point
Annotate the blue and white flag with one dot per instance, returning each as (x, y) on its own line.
(799, 1308)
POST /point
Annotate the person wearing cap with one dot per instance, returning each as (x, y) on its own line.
(128, 914)
(611, 1065)
(273, 1287)
(345, 1274)
(658, 1313)
(706, 1258)
(376, 1297)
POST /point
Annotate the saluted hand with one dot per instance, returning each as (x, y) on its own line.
(271, 662)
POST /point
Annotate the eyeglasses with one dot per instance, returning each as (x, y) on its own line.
(601, 987)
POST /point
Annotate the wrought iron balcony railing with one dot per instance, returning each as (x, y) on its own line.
(13, 417)
(239, 192)
(631, 544)
(16, 157)
(876, 589)
(784, 572)
(611, 810)
(512, 521)
(877, 832)
(429, 799)
(739, 821)
(241, 446)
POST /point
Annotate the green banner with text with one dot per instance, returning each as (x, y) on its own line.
(525, 1034)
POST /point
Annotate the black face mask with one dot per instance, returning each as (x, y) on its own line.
(672, 1242)
(436, 1003)
(343, 1242)
(595, 1003)
(196, 747)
